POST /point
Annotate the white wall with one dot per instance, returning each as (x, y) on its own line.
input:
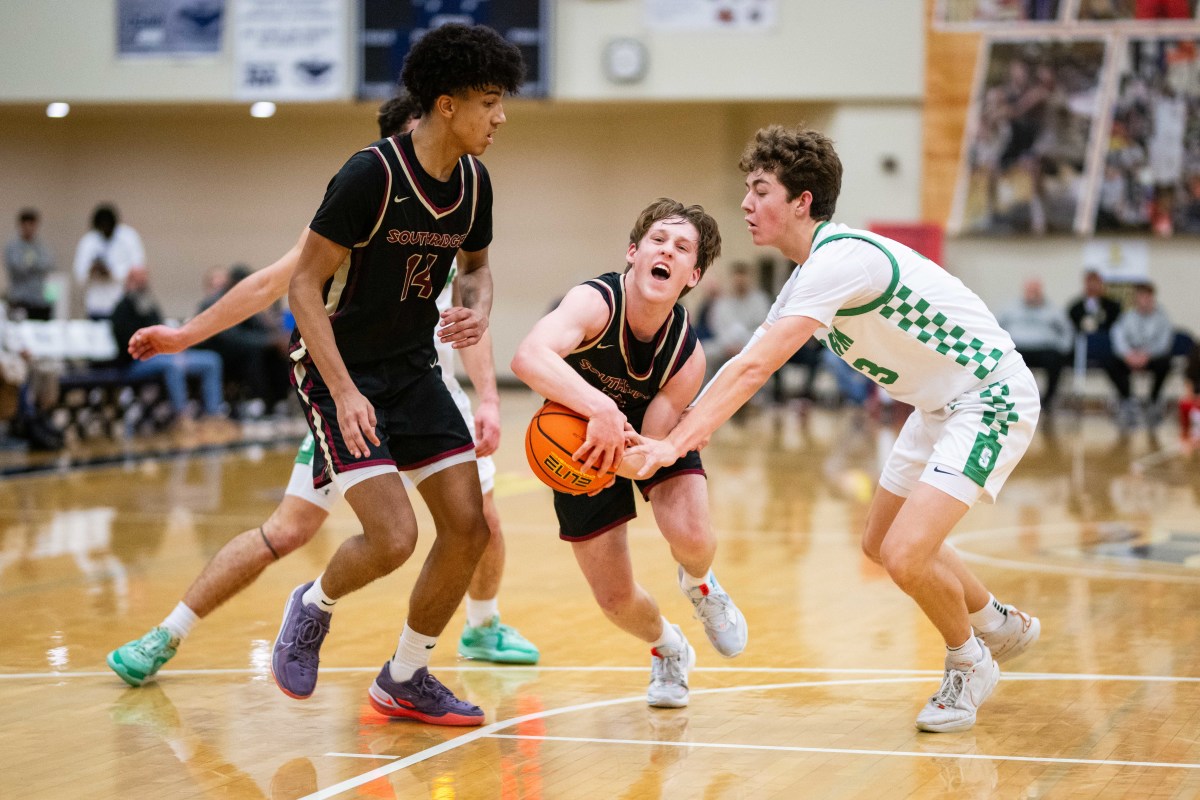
(64, 50)
(996, 268)
(820, 50)
(208, 185)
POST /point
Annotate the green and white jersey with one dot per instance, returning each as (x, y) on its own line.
(307, 447)
(897, 317)
(445, 352)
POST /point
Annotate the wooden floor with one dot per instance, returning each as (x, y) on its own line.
(1097, 535)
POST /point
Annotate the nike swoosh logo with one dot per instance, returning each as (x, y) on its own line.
(942, 471)
(430, 646)
(398, 199)
(603, 346)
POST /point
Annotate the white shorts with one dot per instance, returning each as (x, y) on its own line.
(970, 447)
(301, 483)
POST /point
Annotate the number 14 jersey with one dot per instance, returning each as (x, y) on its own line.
(403, 229)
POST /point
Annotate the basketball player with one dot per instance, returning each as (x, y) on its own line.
(926, 339)
(303, 510)
(620, 350)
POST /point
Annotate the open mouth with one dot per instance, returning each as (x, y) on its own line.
(660, 272)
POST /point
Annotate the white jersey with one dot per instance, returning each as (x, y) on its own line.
(445, 353)
(897, 317)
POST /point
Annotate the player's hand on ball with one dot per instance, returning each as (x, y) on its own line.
(632, 438)
(462, 327)
(657, 453)
(604, 446)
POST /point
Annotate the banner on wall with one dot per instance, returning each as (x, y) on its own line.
(691, 15)
(289, 50)
(1119, 260)
(174, 28)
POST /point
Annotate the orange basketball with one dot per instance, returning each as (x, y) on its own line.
(554, 433)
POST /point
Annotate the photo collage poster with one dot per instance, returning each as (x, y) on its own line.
(1085, 120)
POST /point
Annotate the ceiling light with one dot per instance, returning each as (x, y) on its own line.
(262, 110)
(58, 110)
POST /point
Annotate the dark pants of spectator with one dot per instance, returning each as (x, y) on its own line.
(19, 310)
(1119, 373)
(259, 369)
(807, 357)
(1052, 361)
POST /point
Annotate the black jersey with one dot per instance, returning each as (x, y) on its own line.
(630, 371)
(404, 229)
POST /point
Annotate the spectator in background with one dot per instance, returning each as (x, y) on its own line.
(1042, 334)
(103, 260)
(136, 309)
(1093, 316)
(216, 283)
(1141, 342)
(254, 353)
(28, 263)
(736, 315)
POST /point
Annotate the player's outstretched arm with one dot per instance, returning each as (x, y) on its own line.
(481, 369)
(665, 409)
(582, 315)
(248, 297)
(733, 385)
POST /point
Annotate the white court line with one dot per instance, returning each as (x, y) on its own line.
(489, 730)
(853, 751)
(362, 755)
(959, 539)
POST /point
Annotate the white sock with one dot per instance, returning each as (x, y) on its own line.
(315, 596)
(966, 654)
(412, 653)
(480, 612)
(180, 621)
(690, 581)
(669, 637)
(990, 617)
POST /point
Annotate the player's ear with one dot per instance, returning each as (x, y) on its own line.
(445, 105)
(629, 253)
(803, 203)
(695, 277)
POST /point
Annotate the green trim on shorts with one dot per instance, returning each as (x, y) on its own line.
(989, 443)
(308, 447)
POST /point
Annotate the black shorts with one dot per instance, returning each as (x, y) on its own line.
(581, 517)
(416, 420)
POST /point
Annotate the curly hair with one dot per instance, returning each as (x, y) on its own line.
(454, 58)
(709, 248)
(396, 113)
(802, 159)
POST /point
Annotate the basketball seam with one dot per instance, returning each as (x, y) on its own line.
(537, 463)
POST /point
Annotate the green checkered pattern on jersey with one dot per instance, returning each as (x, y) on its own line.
(915, 316)
(1001, 413)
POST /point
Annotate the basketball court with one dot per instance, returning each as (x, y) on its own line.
(1096, 535)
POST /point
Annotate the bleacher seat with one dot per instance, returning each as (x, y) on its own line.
(96, 396)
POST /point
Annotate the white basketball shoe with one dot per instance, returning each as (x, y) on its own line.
(961, 693)
(669, 670)
(724, 624)
(1013, 637)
